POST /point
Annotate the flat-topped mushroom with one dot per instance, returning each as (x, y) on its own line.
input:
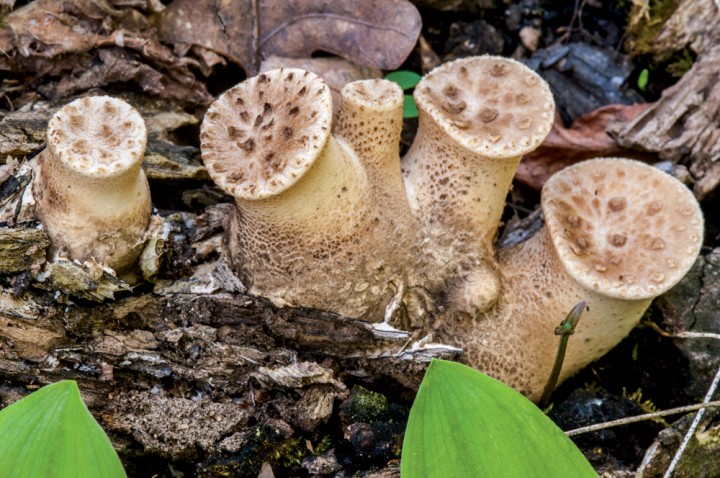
(309, 228)
(618, 233)
(478, 116)
(91, 192)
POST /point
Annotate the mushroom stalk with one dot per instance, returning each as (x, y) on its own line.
(312, 226)
(478, 116)
(530, 308)
(617, 234)
(91, 192)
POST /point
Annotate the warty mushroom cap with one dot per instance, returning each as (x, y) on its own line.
(91, 193)
(621, 227)
(493, 106)
(257, 149)
(81, 137)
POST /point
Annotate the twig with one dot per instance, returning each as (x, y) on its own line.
(693, 426)
(684, 334)
(642, 418)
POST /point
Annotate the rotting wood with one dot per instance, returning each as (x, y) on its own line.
(161, 370)
(684, 125)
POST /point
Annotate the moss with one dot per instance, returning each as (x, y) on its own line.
(367, 406)
(645, 20)
(262, 444)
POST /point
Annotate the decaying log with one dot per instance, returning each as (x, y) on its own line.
(684, 125)
(182, 376)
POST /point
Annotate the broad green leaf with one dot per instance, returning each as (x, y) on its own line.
(406, 79)
(409, 107)
(466, 424)
(51, 434)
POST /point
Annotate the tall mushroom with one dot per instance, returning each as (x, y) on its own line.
(478, 116)
(618, 233)
(310, 227)
(91, 192)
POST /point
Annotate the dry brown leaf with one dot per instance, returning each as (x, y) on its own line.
(335, 71)
(91, 43)
(585, 139)
(375, 33)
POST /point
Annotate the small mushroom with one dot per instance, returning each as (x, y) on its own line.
(92, 195)
(312, 224)
(618, 233)
(478, 116)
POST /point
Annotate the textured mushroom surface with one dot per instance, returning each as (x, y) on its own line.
(97, 136)
(618, 233)
(623, 227)
(478, 116)
(326, 218)
(493, 106)
(92, 194)
(311, 226)
(260, 136)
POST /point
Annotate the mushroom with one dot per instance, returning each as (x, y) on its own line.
(618, 233)
(478, 116)
(311, 225)
(92, 195)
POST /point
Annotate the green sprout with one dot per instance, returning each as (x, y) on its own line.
(642, 80)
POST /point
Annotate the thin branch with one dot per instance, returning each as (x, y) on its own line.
(693, 425)
(642, 418)
(684, 334)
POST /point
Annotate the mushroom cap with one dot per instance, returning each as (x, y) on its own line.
(377, 95)
(260, 137)
(622, 228)
(493, 106)
(97, 136)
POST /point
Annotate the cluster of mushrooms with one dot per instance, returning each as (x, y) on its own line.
(328, 216)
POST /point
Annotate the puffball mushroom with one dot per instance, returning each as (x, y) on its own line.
(310, 226)
(617, 234)
(92, 195)
(478, 116)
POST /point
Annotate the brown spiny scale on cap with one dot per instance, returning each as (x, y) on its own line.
(321, 217)
(478, 116)
(630, 220)
(493, 99)
(618, 233)
(97, 136)
(91, 192)
(265, 127)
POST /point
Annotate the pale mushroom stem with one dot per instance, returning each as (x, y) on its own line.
(471, 208)
(533, 304)
(292, 239)
(478, 116)
(313, 224)
(92, 195)
(370, 121)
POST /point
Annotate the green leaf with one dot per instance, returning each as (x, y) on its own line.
(51, 434)
(464, 423)
(409, 107)
(642, 80)
(406, 79)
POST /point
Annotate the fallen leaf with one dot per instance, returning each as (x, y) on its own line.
(92, 43)
(375, 33)
(585, 139)
(336, 72)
